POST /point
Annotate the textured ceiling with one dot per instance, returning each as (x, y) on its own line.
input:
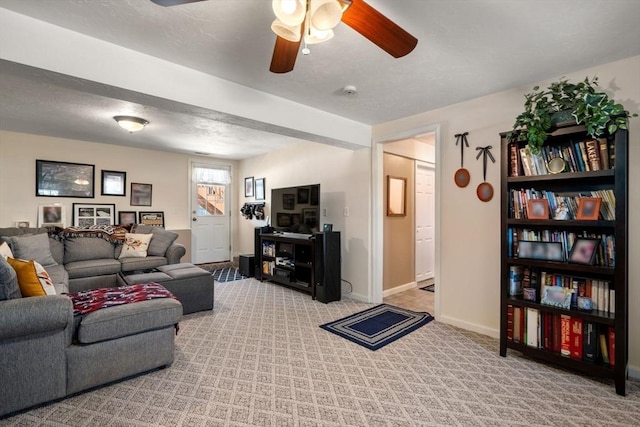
(466, 49)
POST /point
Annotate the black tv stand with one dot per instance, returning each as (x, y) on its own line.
(310, 264)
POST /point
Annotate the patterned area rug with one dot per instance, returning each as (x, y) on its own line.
(429, 288)
(378, 326)
(228, 274)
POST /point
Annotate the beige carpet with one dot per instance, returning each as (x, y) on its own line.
(260, 359)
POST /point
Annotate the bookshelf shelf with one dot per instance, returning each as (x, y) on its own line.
(592, 342)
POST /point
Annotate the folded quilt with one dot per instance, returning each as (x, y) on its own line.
(89, 301)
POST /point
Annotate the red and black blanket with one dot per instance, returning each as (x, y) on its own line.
(89, 301)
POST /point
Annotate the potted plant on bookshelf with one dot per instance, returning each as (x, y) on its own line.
(564, 101)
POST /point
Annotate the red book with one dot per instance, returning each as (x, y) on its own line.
(565, 335)
(612, 346)
(548, 331)
(522, 326)
(576, 338)
(556, 333)
(509, 323)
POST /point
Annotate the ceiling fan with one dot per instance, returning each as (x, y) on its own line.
(312, 21)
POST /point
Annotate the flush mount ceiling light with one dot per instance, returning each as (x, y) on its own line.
(130, 123)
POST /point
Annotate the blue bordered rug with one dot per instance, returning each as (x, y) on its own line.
(378, 326)
(227, 275)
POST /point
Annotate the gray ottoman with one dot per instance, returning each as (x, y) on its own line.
(192, 285)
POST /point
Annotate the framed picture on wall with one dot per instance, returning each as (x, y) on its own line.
(63, 179)
(248, 186)
(114, 183)
(127, 217)
(140, 194)
(260, 188)
(396, 196)
(88, 214)
(155, 219)
(51, 215)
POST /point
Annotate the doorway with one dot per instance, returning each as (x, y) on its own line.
(210, 213)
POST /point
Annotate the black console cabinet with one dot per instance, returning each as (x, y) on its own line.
(310, 265)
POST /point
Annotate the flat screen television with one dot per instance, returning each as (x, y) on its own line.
(296, 209)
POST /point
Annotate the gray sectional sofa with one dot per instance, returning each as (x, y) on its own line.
(46, 353)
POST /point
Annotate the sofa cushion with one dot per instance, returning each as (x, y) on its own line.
(35, 247)
(92, 267)
(132, 264)
(135, 245)
(161, 240)
(129, 319)
(87, 248)
(5, 250)
(9, 288)
(33, 279)
(59, 277)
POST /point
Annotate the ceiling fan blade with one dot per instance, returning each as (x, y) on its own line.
(173, 2)
(379, 29)
(284, 55)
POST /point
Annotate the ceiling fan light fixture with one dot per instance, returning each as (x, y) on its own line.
(287, 32)
(131, 123)
(290, 12)
(325, 14)
(314, 36)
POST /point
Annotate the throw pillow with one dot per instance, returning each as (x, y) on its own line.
(33, 279)
(5, 250)
(35, 247)
(135, 245)
(9, 288)
(161, 241)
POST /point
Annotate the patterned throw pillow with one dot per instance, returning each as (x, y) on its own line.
(135, 245)
(33, 279)
(5, 250)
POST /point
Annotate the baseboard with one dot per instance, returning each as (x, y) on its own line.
(473, 327)
(357, 297)
(634, 372)
(398, 289)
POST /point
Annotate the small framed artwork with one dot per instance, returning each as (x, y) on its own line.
(549, 251)
(155, 219)
(63, 179)
(248, 187)
(310, 216)
(127, 217)
(396, 196)
(23, 224)
(260, 188)
(588, 208)
(283, 219)
(584, 250)
(538, 209)
(140, 194)
(303, 196)
(88, 214)
(114, 183)
(556, 296)
(52, 215)
(288, 201)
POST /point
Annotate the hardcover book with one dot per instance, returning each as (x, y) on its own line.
(589, 344)
(565, 335)
(576, 338)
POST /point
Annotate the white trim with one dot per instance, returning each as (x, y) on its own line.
(399, 289)
(473, 327)
(357, 297)
(634, 372)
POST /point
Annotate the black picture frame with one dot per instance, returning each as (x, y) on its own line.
(260, 188)
(303, 196)
(283, 219)
(548, 251)
(114, 183)
(288, 201)
(154, 219)
(127, 217)
(248, 187)
(64, 179)
(88, 214)
(584, 250)
(140, 194)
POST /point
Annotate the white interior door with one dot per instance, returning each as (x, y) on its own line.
(210, 214)
(425, 221)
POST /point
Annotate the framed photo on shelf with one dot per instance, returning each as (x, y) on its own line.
(248, 187)
(51, 215)
(260, 188)
(114, 183)
(548, 251)
(140, 194)
(538, 209)
(127, 217)
(155, 219)
(584, 250)
(588, 208)
(63, 179)
(88, 214)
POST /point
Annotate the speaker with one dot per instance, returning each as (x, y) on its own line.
(258, 250)
(328, 275)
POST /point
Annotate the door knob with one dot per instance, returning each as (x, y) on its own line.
(194, 219)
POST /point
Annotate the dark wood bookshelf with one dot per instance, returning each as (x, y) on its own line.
(614, 179)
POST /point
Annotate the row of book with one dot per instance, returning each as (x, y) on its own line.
(581, 156)
(533, 282)
(269, 249)
(561, 205)
(605, 253)
(568, 336)
(268, 267)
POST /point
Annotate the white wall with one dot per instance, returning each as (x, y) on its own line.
(413, 149)
(470, 229)
(344, 177)
(167, 172)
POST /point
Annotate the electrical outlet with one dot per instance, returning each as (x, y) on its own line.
(324, 211)
(346, 211)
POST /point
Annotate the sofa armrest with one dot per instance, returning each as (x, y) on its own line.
(174, 253)
(32, 315)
